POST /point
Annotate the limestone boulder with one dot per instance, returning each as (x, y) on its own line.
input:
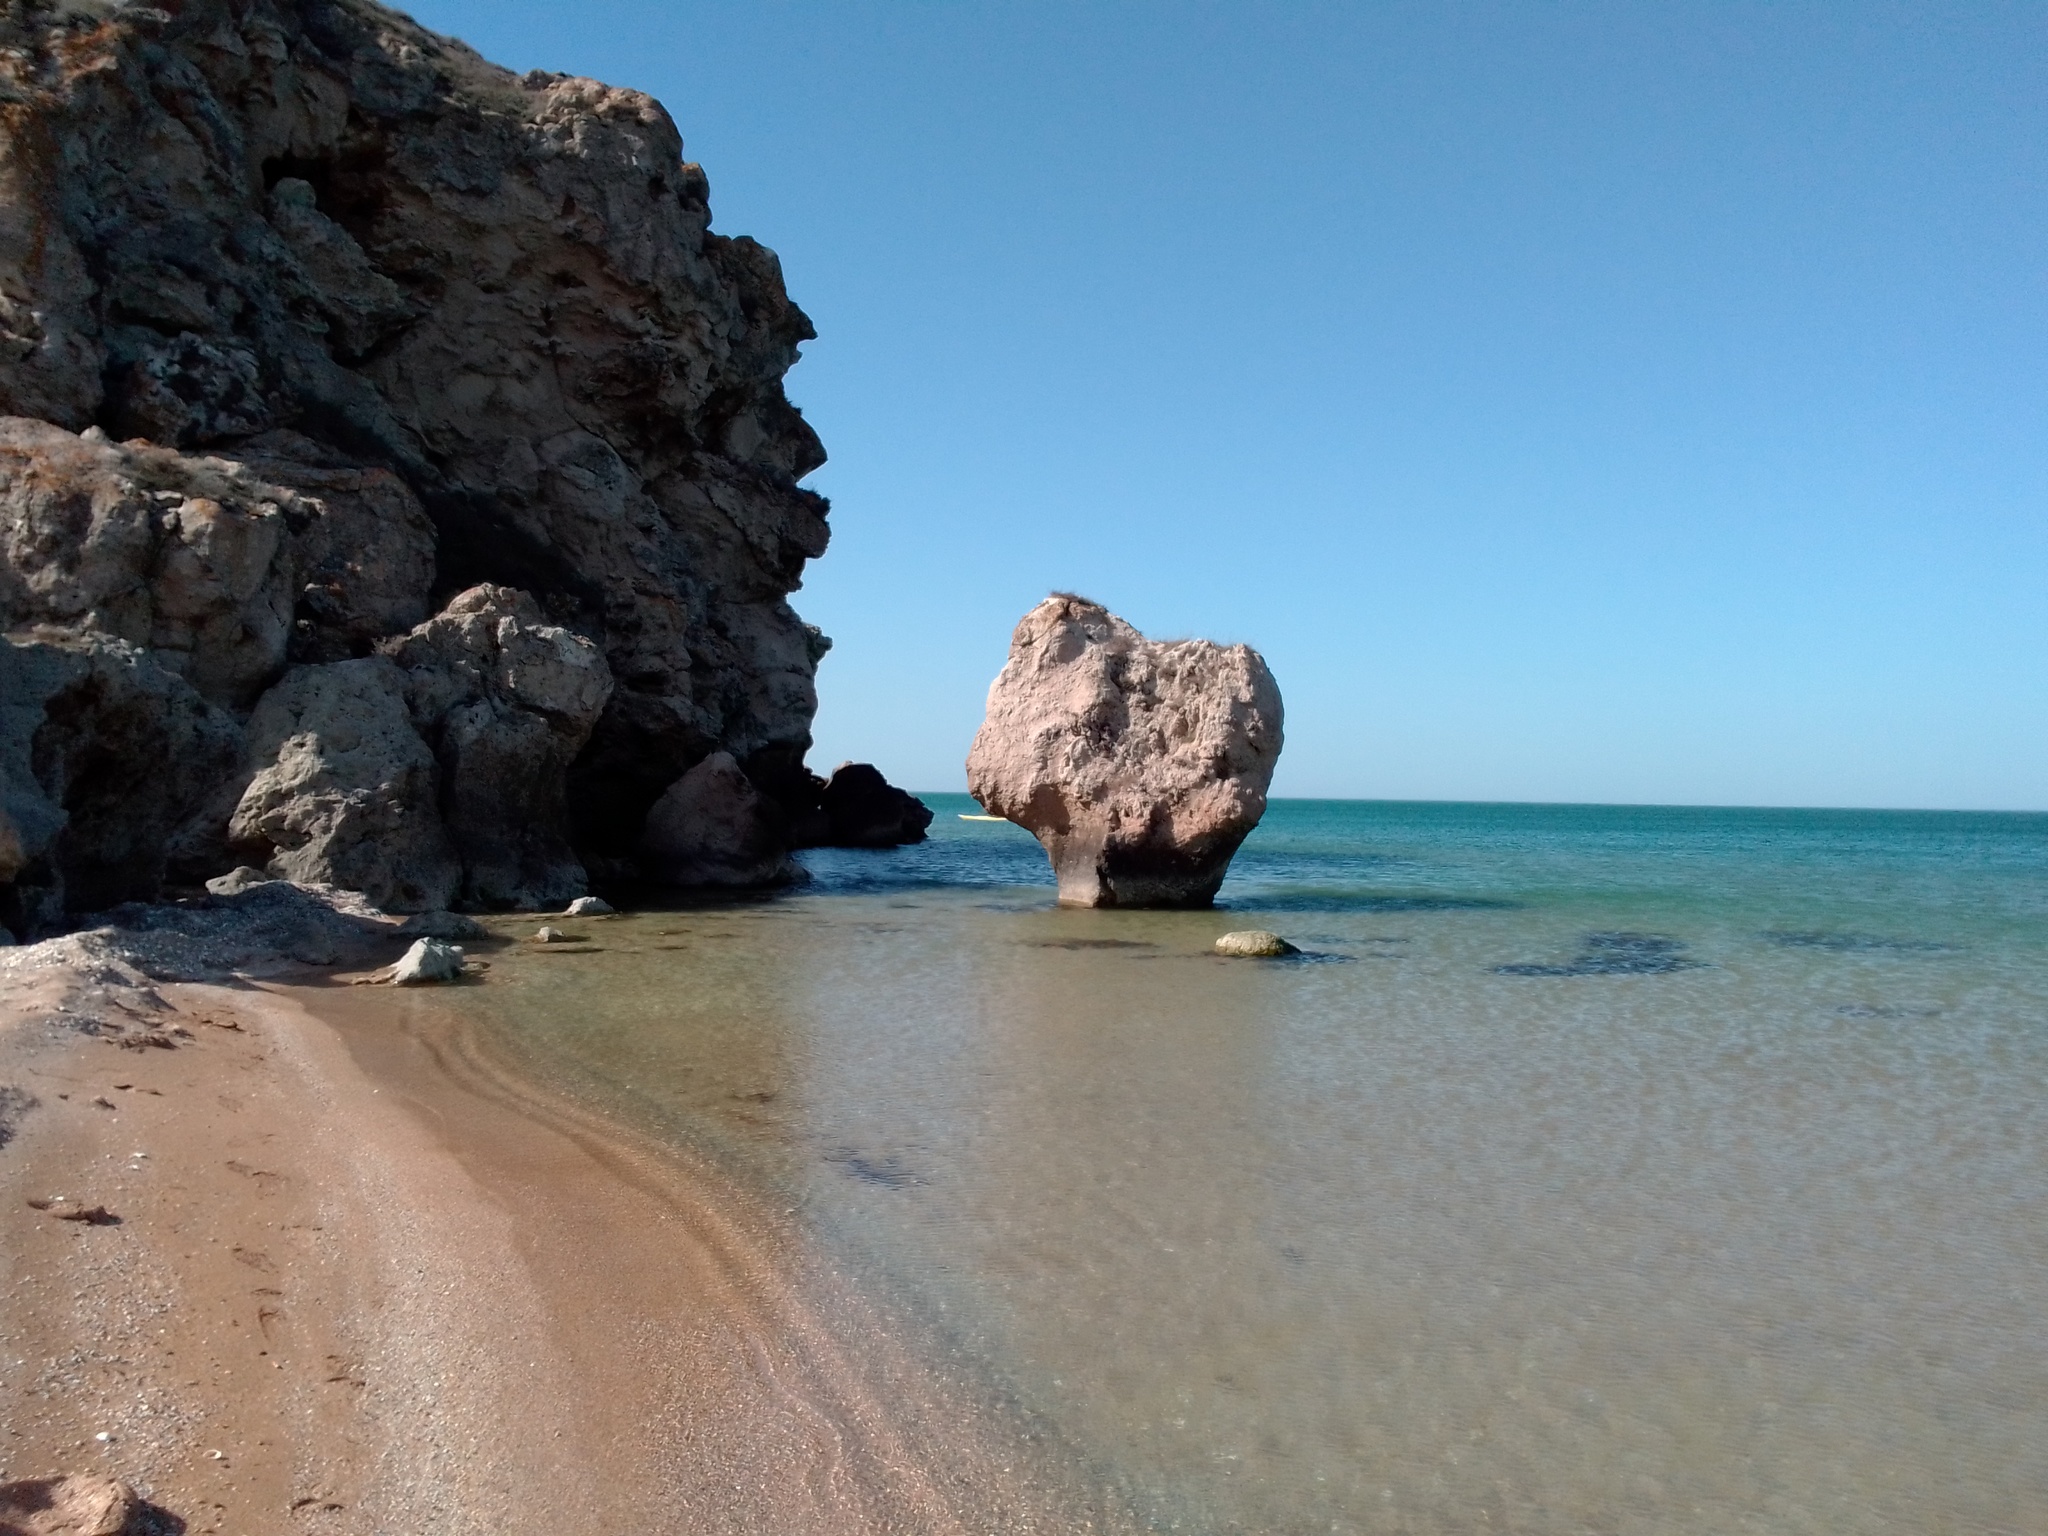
(507, 701)
(345, 792)
(1139, 765)
(712, 827)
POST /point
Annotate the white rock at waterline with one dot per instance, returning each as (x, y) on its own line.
(427, 962)
(589, 906)
(1254, 944)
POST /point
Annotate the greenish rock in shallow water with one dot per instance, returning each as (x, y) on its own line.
(1254, 944)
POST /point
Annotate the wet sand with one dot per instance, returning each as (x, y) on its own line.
(395, 1288)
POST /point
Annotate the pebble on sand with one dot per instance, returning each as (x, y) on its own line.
(1254, 944)
(551, 936)
(589, 906)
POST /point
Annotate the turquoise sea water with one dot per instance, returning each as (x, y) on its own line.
(1597, 1168)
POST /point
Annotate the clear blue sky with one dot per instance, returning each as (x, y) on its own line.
(1601, 402)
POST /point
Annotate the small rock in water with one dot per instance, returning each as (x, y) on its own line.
(551, 936)
(442, 925)
(427, 962)
(1254, 944)
(69, 1506)
(238, 880)
(589, 906)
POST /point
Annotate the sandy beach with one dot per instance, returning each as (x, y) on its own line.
(354, 1278)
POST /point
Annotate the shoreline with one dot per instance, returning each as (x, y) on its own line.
(398, 1287)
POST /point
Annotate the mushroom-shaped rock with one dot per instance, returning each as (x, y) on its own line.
(1139, 764)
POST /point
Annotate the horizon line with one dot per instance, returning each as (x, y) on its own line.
(1621, 805)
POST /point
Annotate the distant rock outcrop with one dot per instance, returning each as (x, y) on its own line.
(1141, 765)
(858, 808)
(314, 325)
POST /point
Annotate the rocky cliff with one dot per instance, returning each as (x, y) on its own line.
(399, 486)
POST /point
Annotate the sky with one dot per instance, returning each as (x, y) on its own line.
(1631, 402)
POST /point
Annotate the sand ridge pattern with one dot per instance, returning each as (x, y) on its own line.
(363, 1279)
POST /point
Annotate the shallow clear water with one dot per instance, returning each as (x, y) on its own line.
(1599, 1169)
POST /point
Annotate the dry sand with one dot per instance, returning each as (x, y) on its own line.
(363, 1280)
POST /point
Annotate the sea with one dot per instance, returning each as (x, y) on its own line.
(1592, 1169)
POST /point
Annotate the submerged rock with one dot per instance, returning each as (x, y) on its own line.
(589, 906)
(1140, 765)
(1254, 944)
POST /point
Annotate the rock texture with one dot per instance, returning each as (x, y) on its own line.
(312, 325)
(1140, 765)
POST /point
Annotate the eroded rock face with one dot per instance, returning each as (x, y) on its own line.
(712, 827)
(507, 701)
(104, 757)
(314, 320)
(434, 772)
(182, 556)
(347, 793)
(1140, 765)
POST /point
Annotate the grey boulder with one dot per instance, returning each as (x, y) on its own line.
(507, 701)
(346, 794)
